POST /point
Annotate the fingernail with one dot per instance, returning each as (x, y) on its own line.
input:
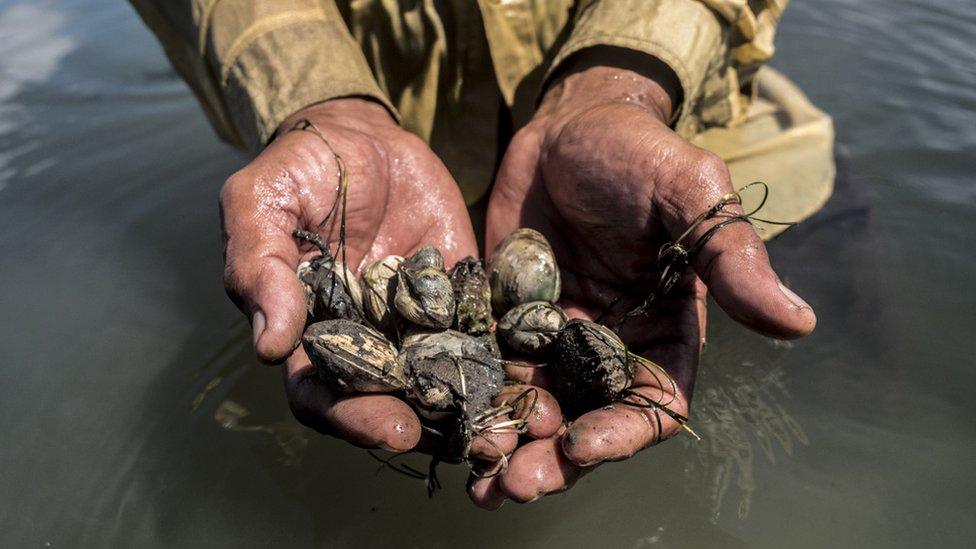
(258, 322)
(794, 299)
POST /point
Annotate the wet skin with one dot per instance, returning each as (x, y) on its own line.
(400, 198)
(598, 171)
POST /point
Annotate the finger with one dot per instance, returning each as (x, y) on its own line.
(365, 420)
(260, 260)
(734, 263)
(621, 430)
(493, 446)
(530, 374)
(536, 406)
(485, 492)
(537, 469)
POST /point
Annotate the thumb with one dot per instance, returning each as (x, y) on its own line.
(259, 276)
(734, 263)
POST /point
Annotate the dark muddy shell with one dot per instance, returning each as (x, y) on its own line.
(472, 296)
(353, 358)
(589, 367)
(434, 362)
(326, 293)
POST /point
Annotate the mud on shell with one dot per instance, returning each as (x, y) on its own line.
(435, 362)
(472, 296)
(327, 296)
(590, 366)
(353, 358)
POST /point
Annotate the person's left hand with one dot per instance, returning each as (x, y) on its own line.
(599, 172)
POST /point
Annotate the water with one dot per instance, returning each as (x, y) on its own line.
(133, 413)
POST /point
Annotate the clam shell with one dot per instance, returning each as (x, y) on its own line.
(353, 358)
(531, 328)
(428, 256)
(523, 269)
(424, 294)
(378, 285)
(327, 293)
(589, 366)
(435, 362)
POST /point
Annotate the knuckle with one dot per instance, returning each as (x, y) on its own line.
(710, 165)
(712, 179)
(234, 187)
(528, 135)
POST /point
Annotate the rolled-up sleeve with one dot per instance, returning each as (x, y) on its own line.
(714, 47)
(253, 63)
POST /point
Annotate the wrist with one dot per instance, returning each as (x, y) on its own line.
(604, 74)
(349, 111)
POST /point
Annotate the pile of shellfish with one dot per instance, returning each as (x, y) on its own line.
(440, 339)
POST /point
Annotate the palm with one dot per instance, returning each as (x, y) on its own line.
(606, 231)
(399, 197)
(388, 208)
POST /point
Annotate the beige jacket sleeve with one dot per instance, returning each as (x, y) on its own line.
(253, 63)
(714, 46)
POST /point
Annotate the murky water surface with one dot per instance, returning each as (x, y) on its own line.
(134, 414)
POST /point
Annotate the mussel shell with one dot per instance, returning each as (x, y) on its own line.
(353, 358)
(378, 288)
(523, 269)
(589, 366)
(472, 295)
(531, 328)
(327, 296)
(424, 296)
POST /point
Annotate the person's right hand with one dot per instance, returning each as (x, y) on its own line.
(400, 197)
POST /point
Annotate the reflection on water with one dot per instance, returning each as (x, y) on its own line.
(738, 414)
(134, 413)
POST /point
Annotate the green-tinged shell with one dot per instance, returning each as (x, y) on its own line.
(353, 358)
(531, 328)
(327, 294)
(424, 294)
(589, 366)
(472, 296)
(378, 288)
(523, 269)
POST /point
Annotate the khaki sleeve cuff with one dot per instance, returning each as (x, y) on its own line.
(277, 64)
(684, 34)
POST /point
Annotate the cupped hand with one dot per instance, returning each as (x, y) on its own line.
(400, 197)
(600, 172)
